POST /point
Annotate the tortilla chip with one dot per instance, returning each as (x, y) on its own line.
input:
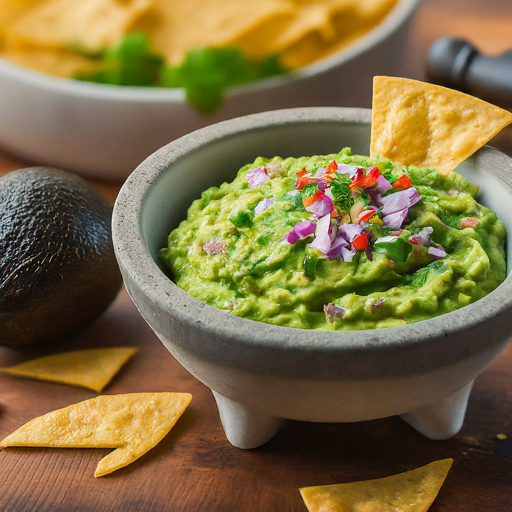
(426, 125)
(92, 369)
(63, 23)
(373, 8)
(176, 26)
(413, 491)
(132, 423)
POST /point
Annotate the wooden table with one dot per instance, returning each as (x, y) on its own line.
(194, 468)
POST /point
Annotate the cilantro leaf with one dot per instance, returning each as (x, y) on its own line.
(205, 74)
(131, 62)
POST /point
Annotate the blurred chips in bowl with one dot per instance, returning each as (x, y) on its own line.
(332, 47)
(61, 37)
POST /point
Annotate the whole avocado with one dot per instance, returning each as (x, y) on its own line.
(58, 271)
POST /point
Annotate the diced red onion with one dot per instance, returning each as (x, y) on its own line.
(322, 173)
(377, 304)
(395, 220)
(263, 205)
(214, 247)
(331, 311)
(348, 254)
(257, 177)
(322, 243)
(323, 226)
(437, 252)
(351, 170)
(423, 237)
(322, 185)
(336, 250)
(350, 231)
(293, 192)
(383, 185)
(321, 207)
(300, 230)
(399, 201)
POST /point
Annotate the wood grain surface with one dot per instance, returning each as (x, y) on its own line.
(195, 468)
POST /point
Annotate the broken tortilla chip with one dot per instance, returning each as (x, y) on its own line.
(413, 491)
(92, 369)
(132, 423)
(426, 125)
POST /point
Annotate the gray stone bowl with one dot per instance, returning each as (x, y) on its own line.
(263, 374)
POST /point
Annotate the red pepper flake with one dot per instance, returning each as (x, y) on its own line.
(333, 166)
(301, 173)
(367, 214)
(468, 222)
(360, 242)
(402, 183)
(362, 181)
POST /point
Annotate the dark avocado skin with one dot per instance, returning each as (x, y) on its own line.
(58, 271)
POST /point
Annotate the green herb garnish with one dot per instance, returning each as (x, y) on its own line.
(205, 74)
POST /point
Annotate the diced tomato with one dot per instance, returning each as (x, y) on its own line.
(360, 242)
(303, 181)
(308, 201)
(333, 166)
(365, 215)
(301, 173)
(468, 222)
(365, 181)
(402, 183)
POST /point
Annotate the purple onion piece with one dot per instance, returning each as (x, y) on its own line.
(395, 220)
(383, 185)
(400, 200)
(300, 230)
(322, 243)
(321, 207)
(257, 177)
(377, 305)
(437, 252)
(331, 312)
(423, 237)
(350, 231)
(263, 205)
(336, 250)
(348, 254)
(293, 192)
(351, 170)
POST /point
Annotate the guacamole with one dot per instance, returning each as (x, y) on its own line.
(338, 242)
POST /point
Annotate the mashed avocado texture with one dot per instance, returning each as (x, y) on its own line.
(338, 242)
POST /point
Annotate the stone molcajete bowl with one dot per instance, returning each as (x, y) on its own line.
(262, 374)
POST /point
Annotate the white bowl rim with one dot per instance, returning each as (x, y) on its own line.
(138, 265)
(399, 13)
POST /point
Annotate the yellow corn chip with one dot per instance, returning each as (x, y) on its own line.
(132, 423)
(373, 8)
(90, 23)
(92, 369)
(176, 26)
(426, 125)
(413, 491)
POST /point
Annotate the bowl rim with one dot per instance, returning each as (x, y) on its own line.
(139, 267)
(400, 12)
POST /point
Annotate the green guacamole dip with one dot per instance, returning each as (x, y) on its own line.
(249, 264)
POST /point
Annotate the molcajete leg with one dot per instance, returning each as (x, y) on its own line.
(244, 427)
(442, 419)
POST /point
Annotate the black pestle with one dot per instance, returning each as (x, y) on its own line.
(457, 64)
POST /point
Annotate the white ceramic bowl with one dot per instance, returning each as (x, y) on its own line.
(105, 131)
(261, 374)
